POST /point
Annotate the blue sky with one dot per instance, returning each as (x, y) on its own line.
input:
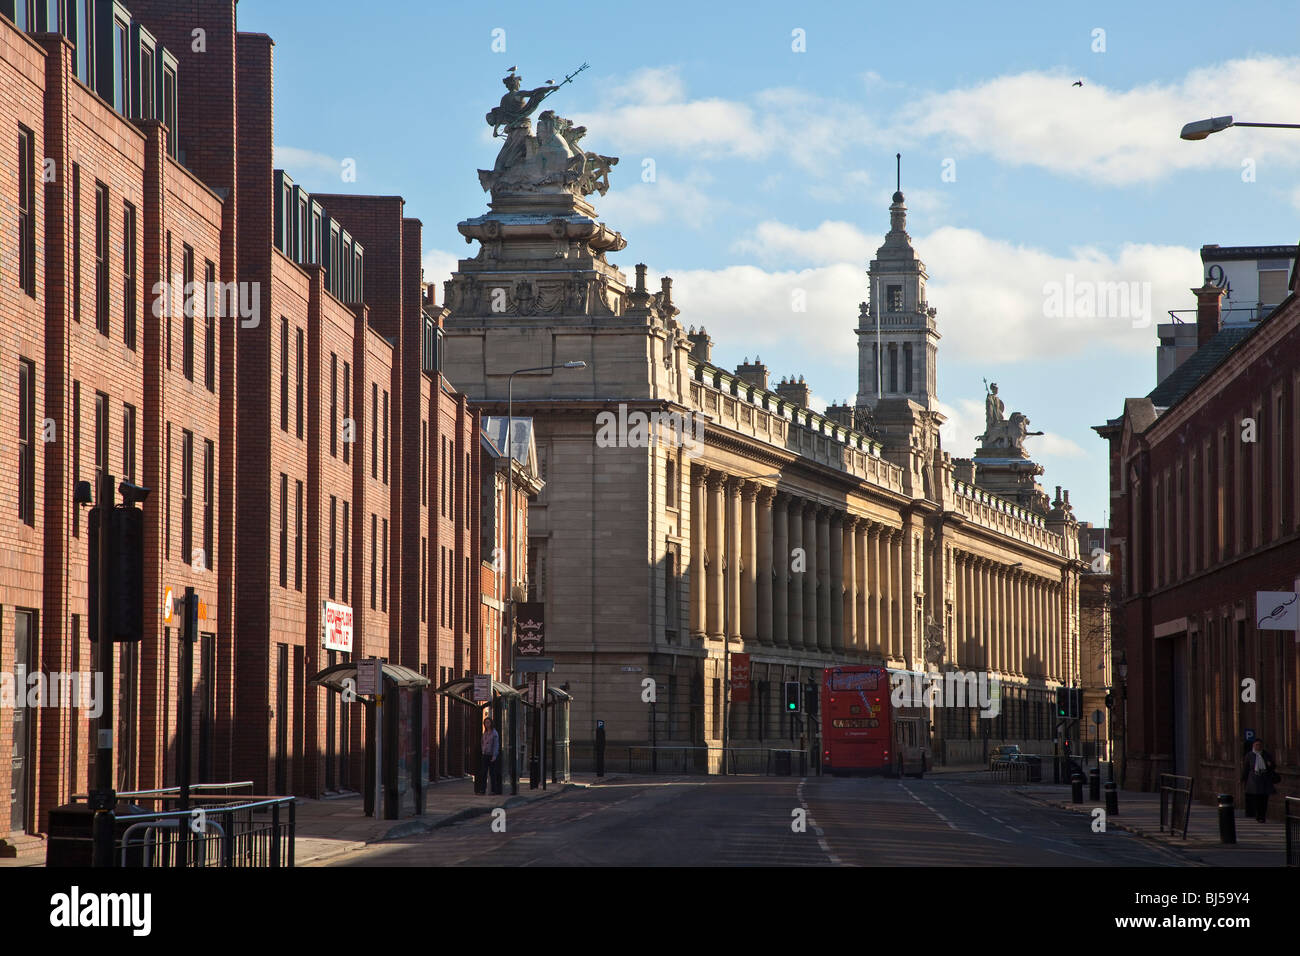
(773, 168)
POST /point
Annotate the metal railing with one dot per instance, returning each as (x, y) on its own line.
(1175, 803)
(1011, 771)
(256, 834)
(1291, 823)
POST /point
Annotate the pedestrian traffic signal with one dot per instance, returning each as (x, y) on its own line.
(792, 696)
(124, 575)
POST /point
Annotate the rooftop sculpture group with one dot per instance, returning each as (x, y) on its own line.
(1003, 433)
(549, 160)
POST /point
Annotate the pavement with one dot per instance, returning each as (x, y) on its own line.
(332, 828)
(1258, 844)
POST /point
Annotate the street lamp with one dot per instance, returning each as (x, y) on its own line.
(726, 620)
(1215, 124)
(510, 528)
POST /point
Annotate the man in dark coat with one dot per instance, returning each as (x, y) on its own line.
(1257, 774)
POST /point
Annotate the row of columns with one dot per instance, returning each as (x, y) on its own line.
(1007, 620)
(785, 571)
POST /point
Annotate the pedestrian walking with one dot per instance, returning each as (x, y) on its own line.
(491, 751)
(1259, 775)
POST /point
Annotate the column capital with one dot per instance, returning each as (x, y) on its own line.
(749, 489)
(767, 495)
(714, 477)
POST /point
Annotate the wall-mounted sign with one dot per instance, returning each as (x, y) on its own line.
(740, 678)
(1277, 610)
(369, 675)
(530, 627)
(337, 626)
(482, 688)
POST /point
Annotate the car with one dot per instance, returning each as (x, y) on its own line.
(1002, 754)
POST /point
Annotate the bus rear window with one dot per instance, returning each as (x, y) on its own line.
(855, 680)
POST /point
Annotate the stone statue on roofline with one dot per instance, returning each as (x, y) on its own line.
(1001, 434)
(549, 160)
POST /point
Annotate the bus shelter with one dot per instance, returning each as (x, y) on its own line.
(504, 709)
(396, 739)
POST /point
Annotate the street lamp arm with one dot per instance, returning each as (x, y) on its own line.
(1200, 129)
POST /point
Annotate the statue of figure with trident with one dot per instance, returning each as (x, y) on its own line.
(549, 160)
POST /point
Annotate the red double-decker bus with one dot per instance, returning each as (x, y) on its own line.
(862, 732)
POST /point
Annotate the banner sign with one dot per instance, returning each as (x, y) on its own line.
(740, 678)
(1277, 611)
(530, 627)
(337, 625)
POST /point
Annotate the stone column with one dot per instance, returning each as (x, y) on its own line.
(834, 586)
(1058, 654)
(795, 616)
(1003, 608)
(734, 560)
(716, 531)
(781, 570)
(763, 567)
(871, 567)
(699, 544)
(863, 639)
(811, 634)
(749, 562)
(1040, 617)
(958, 611)
(849, 602)
(1021, 642)
(902, 598)
(984, 585)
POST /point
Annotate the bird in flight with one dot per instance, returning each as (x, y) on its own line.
(1077, 83)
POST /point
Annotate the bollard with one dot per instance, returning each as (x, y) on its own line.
(1076, 788)
(1094, 784)
(1227, 819)
(1112, 799)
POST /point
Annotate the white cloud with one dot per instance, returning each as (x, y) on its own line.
(965, 420)
(667, 199)
(1056, 446)
(994, 297)
(438, 267)
(1110, 135)
(299, 162)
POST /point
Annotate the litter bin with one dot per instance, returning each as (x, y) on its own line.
(781, 763)
(69, 842)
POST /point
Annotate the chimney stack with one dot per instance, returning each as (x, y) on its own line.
(701, 345)
(755, 372)
(794, 391)
(1208, 316)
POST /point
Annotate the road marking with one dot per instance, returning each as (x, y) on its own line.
(821, 834)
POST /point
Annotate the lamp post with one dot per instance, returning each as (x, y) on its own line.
(1216, 124)
(727, 567)
(510, 528)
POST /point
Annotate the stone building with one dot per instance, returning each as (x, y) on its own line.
(690, 509)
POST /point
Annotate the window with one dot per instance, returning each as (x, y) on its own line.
(167, 496)
(299, 390)
(210, 326)
(167, 291)
(907, 367)
(333, 537)
(334, 405)
(893, 368)
(209, 470)
(347, 562)
(297, 539)
(385, 436)
(894, 298)
(670, 483)
(128, 443)
(284, 530)
(672, 605)
(187, 322)
(76, 452)
(374, 429)
(27, 211)
(347, 411)
(187, 495)
(101, 258)
(101, 440)
(374, 547)
(171, 114)
(424, 464)
(148, 108)
(424, 591)
(442, 475)
(27, 442)
(284, 374)
(76, 243)
(383, 581)
(121, 65)
(128, 275)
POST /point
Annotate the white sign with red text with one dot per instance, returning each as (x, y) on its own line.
(337, 620)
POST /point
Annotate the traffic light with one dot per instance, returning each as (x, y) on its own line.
(1076, 702)
(810, 699)
(792, 696)
(124, 576)
(1110, 701)
(1062, 702)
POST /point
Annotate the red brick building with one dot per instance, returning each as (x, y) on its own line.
(1205, 480)
(177, 312)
